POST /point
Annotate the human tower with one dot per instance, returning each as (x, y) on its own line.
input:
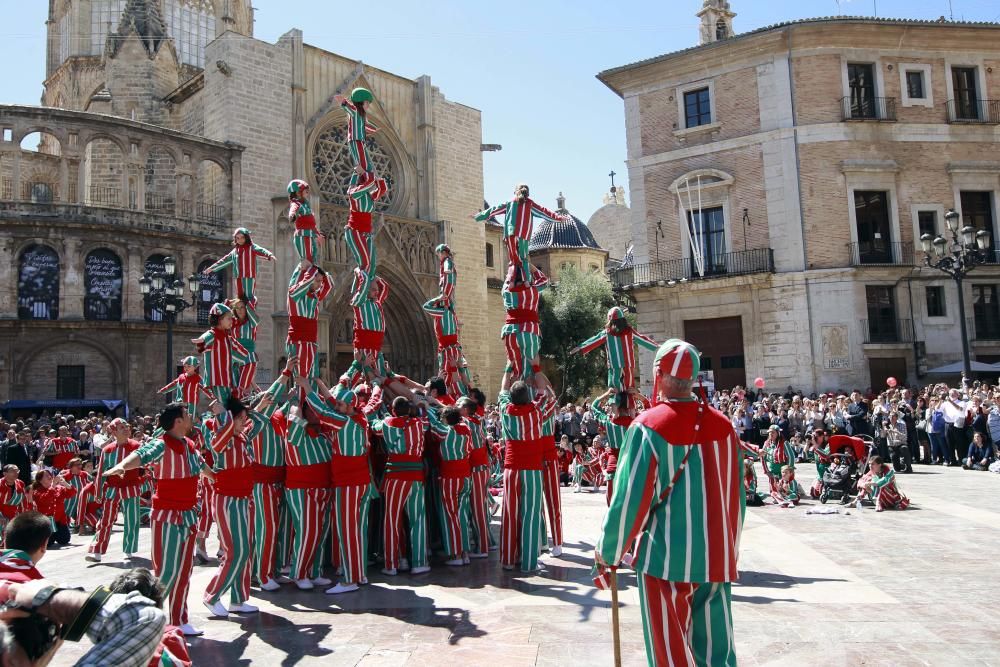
(289, 473)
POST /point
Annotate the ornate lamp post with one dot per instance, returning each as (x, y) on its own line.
(164, 291)
(966, 250)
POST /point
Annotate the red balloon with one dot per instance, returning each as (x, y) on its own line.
(759, 383)
(891, 381)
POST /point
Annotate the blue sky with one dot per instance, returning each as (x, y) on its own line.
(529, 66)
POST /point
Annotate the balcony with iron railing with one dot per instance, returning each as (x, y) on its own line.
(886, 331)
(862, 107)
(870, 253)
(673, 271)
(974, 111)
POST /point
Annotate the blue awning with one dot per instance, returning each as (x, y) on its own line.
(45, 404)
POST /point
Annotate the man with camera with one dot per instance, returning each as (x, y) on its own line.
(36, 616)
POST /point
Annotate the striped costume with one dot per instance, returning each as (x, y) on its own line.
(307, 489)
(454, 480)
(679, 492)
(220, 351)
(243, 260)
(363, 193)
(117, 493)
(267, 437)
(87, 507)
(521, 333)
(520, 528)
(447, 280)
(550, 483)
(246, 333)
(77, 480)
(62, 450)
(776, 454)
(233, 470)
(886, 494)
(369, 323)
(517, 226)
(201, 435)
(619, 344)
(13, 501)
(358, 128)
(187, 389)
(616, 429)
(403, 488)
(449, 353)
(479, 461)
(174, 519)
(303, 302)
(306, 237)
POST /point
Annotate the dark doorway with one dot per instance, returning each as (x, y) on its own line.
(871, 210)
(880, 369)
(720, 341)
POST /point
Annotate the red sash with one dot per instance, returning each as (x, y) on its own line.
(349, 470)
(521, 316)
(305, 222)
(447, 341)
(524, 454)
(176, 494)
(234, 482)
(131, 478)
(360, 222)
(549, 452)
(479, 457)
(263, 474)
(367, 339)
(315, 476)
(302, 329)
(456, 469)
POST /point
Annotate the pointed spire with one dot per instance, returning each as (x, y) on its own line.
(561, 203)
(716, 21)
(142, 17)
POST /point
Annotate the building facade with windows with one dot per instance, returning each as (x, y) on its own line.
(164, 125)
(781, 179)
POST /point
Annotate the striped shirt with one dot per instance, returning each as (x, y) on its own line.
(365, 191)
(246, 330)
(303, 302)
(525, 422)
(444, 321)
(518, 216)
(525, 297)
(243, 259)
(110, 456)
(692, 534)
(13, 499)
(358, 126)
(778, 452)
(447, 277)
(305, 445)
(220, 350)
(267, 434)
(615, 427)
(402, 435)
(368, 313)
(619, 347)
(182, 460)
(187, 388)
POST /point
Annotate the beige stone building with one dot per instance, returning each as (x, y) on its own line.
(780, 180)
(165, 124)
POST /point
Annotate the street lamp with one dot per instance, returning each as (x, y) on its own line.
(164, 291)
(967, 250)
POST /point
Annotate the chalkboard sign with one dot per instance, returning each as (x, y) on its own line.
(102, 285)
(154, 264)
(212, 291)
(38, 284)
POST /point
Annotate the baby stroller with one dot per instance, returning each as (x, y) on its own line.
(840, 480)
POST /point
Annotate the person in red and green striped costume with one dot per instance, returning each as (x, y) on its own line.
(367, 298)
(775, 454)
(358, 125)
(447, 277)
(364, 191)
(518, 215)
(455, 481)
(220, 350)
(307, 288)
(678, 497)
(307, 236)
(521, 333)
(243, 259)
(188, 386)
(245, 323)
(619, 340)
(449, 351)
(616, 426)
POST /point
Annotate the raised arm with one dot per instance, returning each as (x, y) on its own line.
(173, 385)
(261, 251)
(539, 211)
(591, 344)
(229, 259)
(490, 213)
(642, 340)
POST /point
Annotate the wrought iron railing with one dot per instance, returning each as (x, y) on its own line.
(862, 107)
(887, 330)
(744, 262)
(104, 196)
(156, 203)
(974, 111)
(871, 253)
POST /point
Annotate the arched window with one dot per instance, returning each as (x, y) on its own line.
(40, 193)
(38, 284)
(154, 264)
(721, 31)
(213, 290)
(333, 167)
(489, 255)
(102, 286)
(191, 24)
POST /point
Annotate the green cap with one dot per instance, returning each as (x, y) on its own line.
(362, 95)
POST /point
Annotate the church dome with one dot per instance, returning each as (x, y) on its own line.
(573, 234)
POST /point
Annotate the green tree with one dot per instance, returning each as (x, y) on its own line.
(571, 313)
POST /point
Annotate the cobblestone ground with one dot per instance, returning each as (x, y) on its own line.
(897, 588)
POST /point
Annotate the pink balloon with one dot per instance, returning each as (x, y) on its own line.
(891, 381)
(759, 383)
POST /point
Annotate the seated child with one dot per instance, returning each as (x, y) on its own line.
(879, 484)
(786, 492)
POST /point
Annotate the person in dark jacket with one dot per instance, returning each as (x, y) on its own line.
(14, 451)
(857, 415)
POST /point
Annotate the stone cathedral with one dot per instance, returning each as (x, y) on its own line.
(165, 124)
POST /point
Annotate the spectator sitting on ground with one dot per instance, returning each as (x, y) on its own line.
(172, 649)
(980, 454)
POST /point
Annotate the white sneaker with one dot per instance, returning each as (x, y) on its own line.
(557, 550)
(304, 585)
(270, 585)
(364, 581)
(342, 588)
(285, 570)
(217, 609)
(404, 563)
(453, 561)
(389, 571)
(421, 570)
(93, 558)
(483, 555)
(189, 630)
(322, 581)
(244, 608)
(127, 558)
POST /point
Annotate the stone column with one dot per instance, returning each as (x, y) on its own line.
(132, 306)
(8, 277)
(71, 279)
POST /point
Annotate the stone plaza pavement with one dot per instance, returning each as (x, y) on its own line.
(895, 588)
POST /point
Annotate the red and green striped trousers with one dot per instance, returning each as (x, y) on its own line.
(454, 514)
(521, 348)
(173, 561)
(232, 514)
(349, 530)
(409, 496)
(269, 521)
(130, 523)
(686, 623)
(521, 523)
(308, 516)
